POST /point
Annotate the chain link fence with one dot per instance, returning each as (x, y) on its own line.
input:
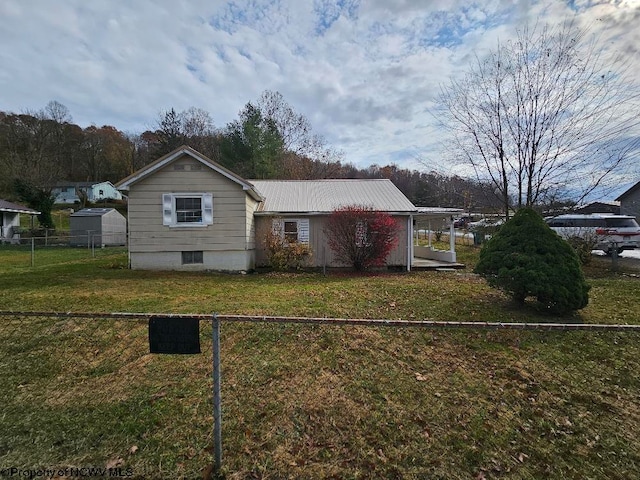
(82, 396)
(45, 249)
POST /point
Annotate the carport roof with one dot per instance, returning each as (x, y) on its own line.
(15, 208)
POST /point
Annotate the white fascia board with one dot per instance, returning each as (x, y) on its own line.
(246, 186)
(27, 212)
(312, 214)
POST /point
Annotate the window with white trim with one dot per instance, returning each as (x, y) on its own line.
(187, 209)
(292, 230)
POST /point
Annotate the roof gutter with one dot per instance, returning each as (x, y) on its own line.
(316, 214)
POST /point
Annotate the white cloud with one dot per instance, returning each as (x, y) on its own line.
(366, 74)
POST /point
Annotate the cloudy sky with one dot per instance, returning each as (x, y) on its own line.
(366, 73)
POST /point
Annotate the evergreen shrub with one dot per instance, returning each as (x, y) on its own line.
(525, 258)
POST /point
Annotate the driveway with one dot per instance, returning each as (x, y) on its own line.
(629, 258)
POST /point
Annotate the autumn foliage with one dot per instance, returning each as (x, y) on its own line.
(284, 255)
(360, 236)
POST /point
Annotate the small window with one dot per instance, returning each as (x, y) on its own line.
(291, 231)
(189, 258)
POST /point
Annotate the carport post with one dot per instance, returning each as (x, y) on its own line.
(217, 407)
(452, 240)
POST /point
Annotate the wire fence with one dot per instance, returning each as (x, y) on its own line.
(36, 251)
(302, 397)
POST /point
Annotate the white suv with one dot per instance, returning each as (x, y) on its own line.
(609, 232)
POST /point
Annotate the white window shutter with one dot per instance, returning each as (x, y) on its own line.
(207, 209)
(277, 227)
(303, 230)
(167, 208)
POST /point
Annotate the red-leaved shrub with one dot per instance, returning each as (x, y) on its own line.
(360, 236)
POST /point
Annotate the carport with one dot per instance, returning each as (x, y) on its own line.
(425, 221)
(10, 220)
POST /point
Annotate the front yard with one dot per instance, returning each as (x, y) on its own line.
(315, 401)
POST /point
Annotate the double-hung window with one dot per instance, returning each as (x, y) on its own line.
(187, 209)
(291, 231)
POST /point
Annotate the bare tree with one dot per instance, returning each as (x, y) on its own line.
(542, 114)
(295, 129)
(57, 112)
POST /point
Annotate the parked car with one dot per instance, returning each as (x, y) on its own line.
(488, 223)
(461, 222)
(607, 232)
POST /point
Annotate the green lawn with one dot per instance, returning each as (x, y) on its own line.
(314, 401)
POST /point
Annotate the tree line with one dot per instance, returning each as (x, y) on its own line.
(268, 140)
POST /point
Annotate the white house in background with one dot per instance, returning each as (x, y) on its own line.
(67, 192)
(10, 220)
(187, 212)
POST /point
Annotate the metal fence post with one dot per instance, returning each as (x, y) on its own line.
(217, 403)
(33, 251)
(614, 256)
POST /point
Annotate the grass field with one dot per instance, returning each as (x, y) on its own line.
(314, 401)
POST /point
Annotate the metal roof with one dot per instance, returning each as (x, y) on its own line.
(15, 208)
(325, 196)
(438, 212)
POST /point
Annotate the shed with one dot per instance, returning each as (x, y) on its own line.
(98, 226)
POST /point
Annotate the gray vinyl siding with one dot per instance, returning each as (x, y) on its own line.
(230, 210)
(630, 204)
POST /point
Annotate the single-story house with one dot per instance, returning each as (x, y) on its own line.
(187, 212)
(303, 207)
(630, 201)
(67, 192)
(10, 220)
(98, 227)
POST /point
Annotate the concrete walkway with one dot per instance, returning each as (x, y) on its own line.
(426, 264)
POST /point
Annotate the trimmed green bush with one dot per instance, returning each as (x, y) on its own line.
(525, 258)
